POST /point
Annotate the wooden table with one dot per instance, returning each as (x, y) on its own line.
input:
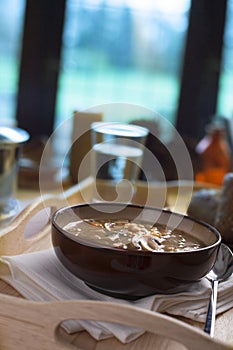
(32, 324)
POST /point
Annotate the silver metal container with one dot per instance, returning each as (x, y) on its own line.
(10, 141)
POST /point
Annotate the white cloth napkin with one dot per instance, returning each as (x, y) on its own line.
(40, 276)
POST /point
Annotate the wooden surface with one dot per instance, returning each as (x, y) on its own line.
(34, 325)
(21, 327)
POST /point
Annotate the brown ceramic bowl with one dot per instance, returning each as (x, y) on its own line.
(131, 274)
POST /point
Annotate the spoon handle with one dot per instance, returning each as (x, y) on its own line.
(211, 313)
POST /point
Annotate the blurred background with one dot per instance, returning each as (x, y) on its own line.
(61, 56)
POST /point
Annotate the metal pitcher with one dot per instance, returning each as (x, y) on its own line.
(11, 140)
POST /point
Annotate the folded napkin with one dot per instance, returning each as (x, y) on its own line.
(40, 276)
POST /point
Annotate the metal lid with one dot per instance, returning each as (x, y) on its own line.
(12, 136)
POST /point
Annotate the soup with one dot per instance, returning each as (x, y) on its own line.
(129, 235)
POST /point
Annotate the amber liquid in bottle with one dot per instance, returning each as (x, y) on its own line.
(214, 154)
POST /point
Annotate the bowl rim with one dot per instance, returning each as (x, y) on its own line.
(92, 244)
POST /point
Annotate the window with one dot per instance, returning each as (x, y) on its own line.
(122, 51)
(225, 100)
(12, 16)
(163, 55)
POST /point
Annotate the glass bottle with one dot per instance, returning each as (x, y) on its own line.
(214, 154)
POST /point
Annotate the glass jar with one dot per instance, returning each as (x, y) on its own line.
(214, 155)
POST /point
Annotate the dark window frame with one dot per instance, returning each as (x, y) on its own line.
(202, 67)
(40, 65)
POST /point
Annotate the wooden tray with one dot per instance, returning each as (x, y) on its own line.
(35, 325)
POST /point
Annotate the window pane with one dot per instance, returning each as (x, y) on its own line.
(12, 16)
(122, 51)
(225, 100)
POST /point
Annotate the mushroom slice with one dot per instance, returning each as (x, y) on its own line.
(148, 243)
(136, 241)
(116, 225)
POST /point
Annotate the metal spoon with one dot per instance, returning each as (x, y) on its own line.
(221, 270)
